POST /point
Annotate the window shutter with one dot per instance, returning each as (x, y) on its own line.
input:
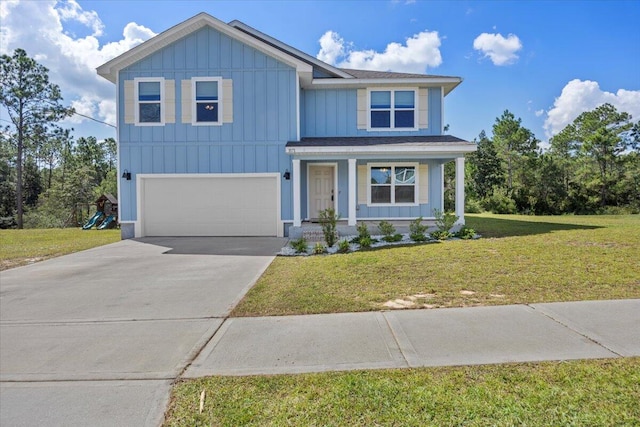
(169, 101)
(423, 184)
(186, 101)
(362, 109)
(129, 102)
(362, 184)
(227, 101)
(423, 108)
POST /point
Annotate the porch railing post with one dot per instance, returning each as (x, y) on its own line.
(297, 220)
(460, 189)
(352, 193)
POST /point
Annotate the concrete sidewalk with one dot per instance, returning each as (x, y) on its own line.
(415, 338)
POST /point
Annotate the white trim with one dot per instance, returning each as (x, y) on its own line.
(335, 185)
(409, 148)
(446, 83)
(392, 109)
(295, 170)
(442, 187)
(185, 28)
(140, 192)
(441, 110)
(291, 50)
(194, 107)
(297, 107)
(460, 190)
(352, 191)
(136, 101)
(393, 165)
(118, 170)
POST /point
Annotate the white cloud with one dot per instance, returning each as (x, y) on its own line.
(419, 52)
(38, 27)
(539, 113)
(501, 50)
(579, 96)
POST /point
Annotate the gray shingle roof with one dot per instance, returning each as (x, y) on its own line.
(376, 140)
(369, 74)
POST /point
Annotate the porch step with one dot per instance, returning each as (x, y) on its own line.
(313, 235)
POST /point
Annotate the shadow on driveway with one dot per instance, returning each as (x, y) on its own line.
(240, 246)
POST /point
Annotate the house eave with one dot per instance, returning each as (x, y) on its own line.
(110, 69)
(448, 83)
(412, 149)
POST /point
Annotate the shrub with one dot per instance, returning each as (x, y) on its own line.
(473, 206)
(389, 231)
(365, 242)
(441, 235)
(328, 220)
(386, 228)
(500, 202)
(417, 230)
(343, 246)
(319, 248)
(466, 233)
(445, 220)
(300, 245)
(363, 232)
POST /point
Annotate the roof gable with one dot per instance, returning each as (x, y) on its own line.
(110, 69)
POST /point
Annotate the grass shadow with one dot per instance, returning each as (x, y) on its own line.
(510, 227)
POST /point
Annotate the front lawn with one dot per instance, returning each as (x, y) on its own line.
(520, 259)
(21, 247)
(587, 393)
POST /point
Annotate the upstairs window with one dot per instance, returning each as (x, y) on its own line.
(393, 184)
(207, 100)
(148, 96)
(392, 109)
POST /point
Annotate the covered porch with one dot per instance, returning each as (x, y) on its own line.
(374, 178)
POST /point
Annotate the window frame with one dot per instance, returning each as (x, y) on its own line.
(392, 109)
(194, 101)
(137, 102)
(393, 166)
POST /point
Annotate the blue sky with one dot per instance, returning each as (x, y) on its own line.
(545, 61)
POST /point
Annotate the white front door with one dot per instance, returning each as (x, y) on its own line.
(321, 188)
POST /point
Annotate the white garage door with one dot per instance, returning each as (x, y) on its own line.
(210, 205)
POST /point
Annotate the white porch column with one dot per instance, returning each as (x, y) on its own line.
(352, 192)
(460, 189)
(297, 220)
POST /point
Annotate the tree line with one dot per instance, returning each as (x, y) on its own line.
(592, 166)
(47, 177)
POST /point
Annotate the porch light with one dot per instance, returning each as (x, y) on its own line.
(287, 175)
(126, 175)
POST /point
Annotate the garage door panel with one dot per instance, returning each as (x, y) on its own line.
(210, 206)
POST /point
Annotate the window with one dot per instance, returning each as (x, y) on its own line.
(393, 184)
(148, 96)
(392, 109)
(207, 100)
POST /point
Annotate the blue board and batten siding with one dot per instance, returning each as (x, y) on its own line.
(333, 112)
(264, 116)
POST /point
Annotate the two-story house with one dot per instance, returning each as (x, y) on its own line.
(226, 131)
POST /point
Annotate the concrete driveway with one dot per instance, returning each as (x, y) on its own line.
(97, 337)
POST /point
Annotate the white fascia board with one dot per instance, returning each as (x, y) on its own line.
(442, 149)
(447, 83)
(109, 69)
(292, 50)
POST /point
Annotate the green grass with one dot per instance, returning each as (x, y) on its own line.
(579, 393)
(520, 259)
(21, 247)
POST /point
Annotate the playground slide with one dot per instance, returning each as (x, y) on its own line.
(92, 221)
(108, 220)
